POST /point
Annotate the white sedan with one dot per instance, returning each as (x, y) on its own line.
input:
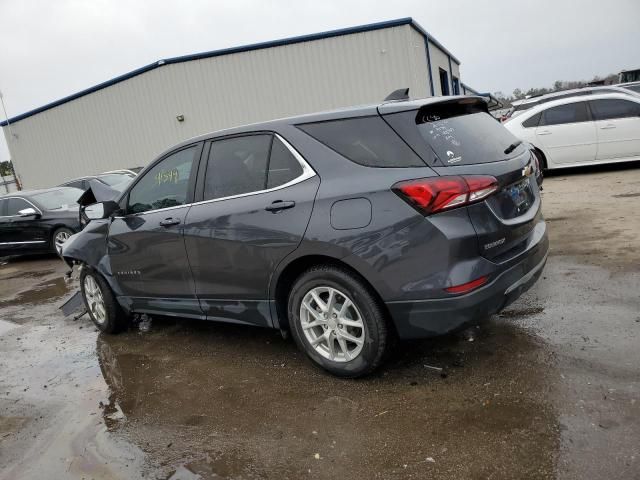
(583, 130)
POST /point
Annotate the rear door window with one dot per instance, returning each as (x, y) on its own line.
(614, 108)
(237, 165)
(562, 114)
(367, 141)
(533, 121)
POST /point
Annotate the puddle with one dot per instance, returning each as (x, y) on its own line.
(15, 272)
(236, 402)
(43, 292)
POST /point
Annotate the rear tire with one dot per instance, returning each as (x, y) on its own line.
(102, 306)
(338, 321)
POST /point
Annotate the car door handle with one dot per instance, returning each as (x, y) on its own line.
(168, 222)
(280, 205)
(544, 132)
(607, 126)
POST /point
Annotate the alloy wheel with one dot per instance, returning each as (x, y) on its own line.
(94, 298)
(60, 238)
(332, 324)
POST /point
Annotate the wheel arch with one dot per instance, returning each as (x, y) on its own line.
(543, 157)
(290, 273)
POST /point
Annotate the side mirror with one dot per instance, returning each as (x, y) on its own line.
(28, 212)
(101, 210)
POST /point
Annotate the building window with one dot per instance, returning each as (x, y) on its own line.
(444, 82)
(456, 86)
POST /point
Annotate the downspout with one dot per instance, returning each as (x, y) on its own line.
(451, 76)
(426, 43)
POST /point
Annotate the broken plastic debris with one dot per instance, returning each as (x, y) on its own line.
(145, 323)
(317, 456)
(430, 460)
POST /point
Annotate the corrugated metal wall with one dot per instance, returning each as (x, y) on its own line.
(439, 59)
(129, 123)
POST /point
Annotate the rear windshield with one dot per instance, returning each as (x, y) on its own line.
(364, 140)
(55, 199)
(461, 134)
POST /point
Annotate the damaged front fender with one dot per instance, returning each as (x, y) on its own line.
(89, 247)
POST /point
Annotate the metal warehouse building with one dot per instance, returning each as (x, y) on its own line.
(127, 121)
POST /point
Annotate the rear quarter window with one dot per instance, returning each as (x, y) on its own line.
(533, 121)
(367, 141)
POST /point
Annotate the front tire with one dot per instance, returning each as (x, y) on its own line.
(102, 306)
(338, 321)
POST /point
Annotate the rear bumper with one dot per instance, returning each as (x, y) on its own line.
(428, 318)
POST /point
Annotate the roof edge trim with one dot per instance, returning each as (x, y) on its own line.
(231, 50)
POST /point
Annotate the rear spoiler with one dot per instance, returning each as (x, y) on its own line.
(398, 95)
(435, 104)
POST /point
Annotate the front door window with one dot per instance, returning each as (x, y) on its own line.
(165, 185)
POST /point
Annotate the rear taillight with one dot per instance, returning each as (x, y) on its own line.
(432, 195)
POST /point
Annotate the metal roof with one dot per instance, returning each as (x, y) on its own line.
(245, 48)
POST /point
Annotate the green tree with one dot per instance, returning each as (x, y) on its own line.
(6, 168)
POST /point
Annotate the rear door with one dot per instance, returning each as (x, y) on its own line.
(146, 245)
(256, 196)
(26, 232)
(568, 134)
(618, 128)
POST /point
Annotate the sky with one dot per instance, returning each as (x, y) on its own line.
(50, 49)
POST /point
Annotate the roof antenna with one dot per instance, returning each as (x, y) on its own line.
(397, 95)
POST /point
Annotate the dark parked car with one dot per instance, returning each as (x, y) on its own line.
(37, 221)
(409, 218)
(118, 180)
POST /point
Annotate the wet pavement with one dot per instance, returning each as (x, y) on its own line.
(550, 388)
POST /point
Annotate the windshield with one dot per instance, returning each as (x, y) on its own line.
(55, 199)
(466, 136)
(115, 178)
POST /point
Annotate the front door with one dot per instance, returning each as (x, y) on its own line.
(146, 245)
(568, 134)
(618, 128)
(257, 196)
(19, 233)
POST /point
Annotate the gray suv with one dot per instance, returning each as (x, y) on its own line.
(346, 228)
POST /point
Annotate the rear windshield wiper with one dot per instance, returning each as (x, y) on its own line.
(512, 147)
